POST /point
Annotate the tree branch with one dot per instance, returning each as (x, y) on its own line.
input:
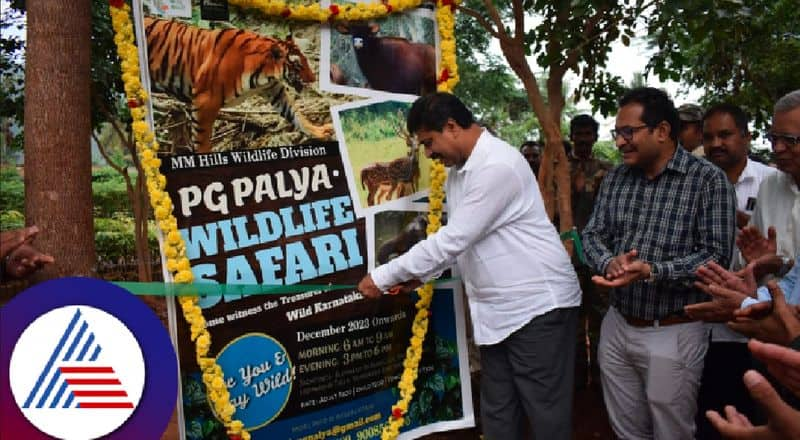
(482, 21)
(105, 155)
(495, 16)
(589, 35)
(519, 21)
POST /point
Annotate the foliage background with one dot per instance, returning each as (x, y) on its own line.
(113, 219)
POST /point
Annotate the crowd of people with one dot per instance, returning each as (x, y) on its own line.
(692, 240)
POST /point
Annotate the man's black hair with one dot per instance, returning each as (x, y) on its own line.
(739, 116)
(583, 121)
(432, 111)
(532, 144)
(657, 107)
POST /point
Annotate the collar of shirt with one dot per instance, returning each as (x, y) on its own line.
(754, 171)
(678, 162)
(748, 173)
(478, 151)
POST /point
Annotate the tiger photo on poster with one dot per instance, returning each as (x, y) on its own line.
(242, 84)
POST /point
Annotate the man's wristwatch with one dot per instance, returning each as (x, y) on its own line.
(786, 266)
(652, 277)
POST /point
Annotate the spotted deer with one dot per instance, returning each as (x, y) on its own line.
(400, 176)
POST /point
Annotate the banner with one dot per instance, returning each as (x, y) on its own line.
(312, 365)
(281, 173)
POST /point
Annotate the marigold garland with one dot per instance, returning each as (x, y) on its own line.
(174, 248)
(447, 81)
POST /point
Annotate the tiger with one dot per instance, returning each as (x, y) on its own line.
(209, 69)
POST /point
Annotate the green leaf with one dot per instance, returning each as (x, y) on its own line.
(452, 381)
(425, 400)
(435, 383)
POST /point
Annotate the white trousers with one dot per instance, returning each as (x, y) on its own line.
(651, 376)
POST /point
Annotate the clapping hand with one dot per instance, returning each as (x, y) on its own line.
(623, 270)
(782, 362)
(11, 240)
(24, 260)
(784, 421)
(781, 325)
(753, 245)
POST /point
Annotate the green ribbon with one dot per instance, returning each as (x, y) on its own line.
(210, 289)
(573, 235)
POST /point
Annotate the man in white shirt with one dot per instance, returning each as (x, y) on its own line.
(726, 141)
(523, 292)
(778, 205)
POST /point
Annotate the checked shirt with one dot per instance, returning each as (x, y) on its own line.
(679, 220)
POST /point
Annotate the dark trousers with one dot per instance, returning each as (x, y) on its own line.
(721, 384)
(531, 371)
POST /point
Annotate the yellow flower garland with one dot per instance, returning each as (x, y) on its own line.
(174, 248)
(447, 80)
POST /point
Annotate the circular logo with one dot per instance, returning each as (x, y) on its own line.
(85, 359)
(82, 359)
(259, 376)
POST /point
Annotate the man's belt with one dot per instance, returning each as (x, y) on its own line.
(663, 322)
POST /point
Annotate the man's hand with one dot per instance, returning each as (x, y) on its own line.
(764, 265)
(634, 271)
(753, 245)
(408, 286)
(616, 269)
(742, 218)
(368, 288)
(25, 260)
(11, 240)
(721, 307)
(781, 326)
(782, 362)
(784, 422)
(743, 281)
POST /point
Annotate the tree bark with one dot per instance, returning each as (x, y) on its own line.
(58, 191)
(554, 180)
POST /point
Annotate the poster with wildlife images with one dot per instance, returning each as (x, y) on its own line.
(397, 231)
(386, 163)
(250, 82)
(276, 181)
(396, 55)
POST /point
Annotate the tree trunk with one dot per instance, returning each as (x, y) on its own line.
(58, 191)
(554, 181)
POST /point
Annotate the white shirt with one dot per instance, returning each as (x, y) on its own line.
(749, 182)
(746, 196)
(778, 205)
(510, 257)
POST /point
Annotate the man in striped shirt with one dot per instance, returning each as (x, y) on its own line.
(657, 218)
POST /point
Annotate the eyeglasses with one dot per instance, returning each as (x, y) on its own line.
(787, 139)
(626, 132)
